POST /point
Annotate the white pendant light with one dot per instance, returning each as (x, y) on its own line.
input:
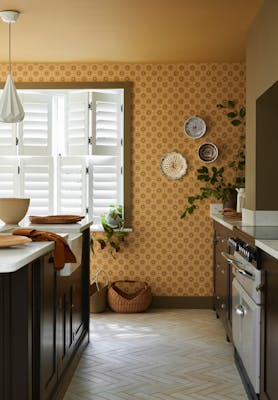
(11, 109)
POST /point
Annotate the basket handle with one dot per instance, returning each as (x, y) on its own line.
(130, 281)
(95, 279)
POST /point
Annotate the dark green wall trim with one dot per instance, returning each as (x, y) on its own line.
(182, 302)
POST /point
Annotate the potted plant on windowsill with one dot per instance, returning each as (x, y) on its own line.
(216, 183)
(114, 232)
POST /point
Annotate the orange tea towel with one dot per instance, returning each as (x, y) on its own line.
(62, 252)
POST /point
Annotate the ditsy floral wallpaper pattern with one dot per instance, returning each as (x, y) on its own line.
(173, 255)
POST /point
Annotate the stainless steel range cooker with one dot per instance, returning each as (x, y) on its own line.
(246, 298)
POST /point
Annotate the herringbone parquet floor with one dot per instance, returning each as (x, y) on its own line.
(159, 355)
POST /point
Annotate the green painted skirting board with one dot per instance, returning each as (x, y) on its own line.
(182, 302)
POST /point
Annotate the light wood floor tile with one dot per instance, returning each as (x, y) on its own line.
(159, 355)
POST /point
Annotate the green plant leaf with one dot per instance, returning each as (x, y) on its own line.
(183, 215)
(231, 104)
(236, 122)
(221, 170)
(102, 243)
(232, 164)
(203, 170)
(232, 114)
(242, 112)
(191, 199)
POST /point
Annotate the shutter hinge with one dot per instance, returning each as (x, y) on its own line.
(121, 142)
(16, 141)
(90, 140)
(90, 106)
(122, 108)
(121, 170)
(87, 170)
(18, 170)
(87, 210)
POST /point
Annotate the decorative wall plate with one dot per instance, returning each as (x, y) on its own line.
(173, 165)
(208, 152)
(195, 127)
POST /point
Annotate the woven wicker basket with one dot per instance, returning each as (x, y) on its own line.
(98, 293)
(131, 299)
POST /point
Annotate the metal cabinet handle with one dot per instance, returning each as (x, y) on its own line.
(260, 288)
(223, 306)
(217, 297)
(240, 310)
(223, 271)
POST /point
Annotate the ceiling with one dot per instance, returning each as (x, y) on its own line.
(128, 30)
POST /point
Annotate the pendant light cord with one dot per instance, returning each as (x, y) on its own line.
(10, 65)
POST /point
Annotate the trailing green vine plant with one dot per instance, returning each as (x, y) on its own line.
(114, 233)
(216, 184)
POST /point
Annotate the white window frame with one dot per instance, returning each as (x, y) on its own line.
(125, 121)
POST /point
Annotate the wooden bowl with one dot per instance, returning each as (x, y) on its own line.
(13, 209)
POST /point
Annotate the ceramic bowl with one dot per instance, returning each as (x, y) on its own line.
(13, 209)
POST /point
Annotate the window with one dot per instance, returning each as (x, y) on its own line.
(70, 154)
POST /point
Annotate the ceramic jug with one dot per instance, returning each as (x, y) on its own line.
(240, 199)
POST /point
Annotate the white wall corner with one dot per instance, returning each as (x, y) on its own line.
(216, 208)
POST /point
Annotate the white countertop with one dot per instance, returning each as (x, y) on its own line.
(15, 257)
(226, 221)
(269, 246)
(62, 228)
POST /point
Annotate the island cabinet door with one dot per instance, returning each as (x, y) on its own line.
(269, 328)
(65, 337)
(46, 292)
(77, 304)
(16, 335)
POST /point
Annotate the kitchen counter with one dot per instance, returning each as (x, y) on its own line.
(226, 221)
(61, 228)
(268, 246)
(16, 257)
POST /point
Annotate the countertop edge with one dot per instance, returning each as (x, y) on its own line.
(227, 222)
(19, 256)
(268, 246)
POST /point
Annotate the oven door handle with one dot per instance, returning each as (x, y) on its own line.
(238, 266)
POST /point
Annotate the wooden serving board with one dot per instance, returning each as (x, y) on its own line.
(56, 219)
(13, 240)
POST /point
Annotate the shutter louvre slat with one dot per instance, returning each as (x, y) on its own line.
(35, 131)
(77, 124)
(37, 183)
(72, 193)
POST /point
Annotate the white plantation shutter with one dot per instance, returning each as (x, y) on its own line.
(7, 139)
(36, 181)
(106, 123)
(77, 124)
(72, 185)
(35, 130)
(105, 183)
(9, 178)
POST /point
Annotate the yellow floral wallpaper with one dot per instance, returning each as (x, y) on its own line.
(173, 255)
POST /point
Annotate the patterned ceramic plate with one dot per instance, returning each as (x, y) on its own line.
(208, 152)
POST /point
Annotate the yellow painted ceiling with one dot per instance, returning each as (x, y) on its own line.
(128, 30)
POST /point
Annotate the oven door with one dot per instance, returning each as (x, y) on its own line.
(246, 332)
